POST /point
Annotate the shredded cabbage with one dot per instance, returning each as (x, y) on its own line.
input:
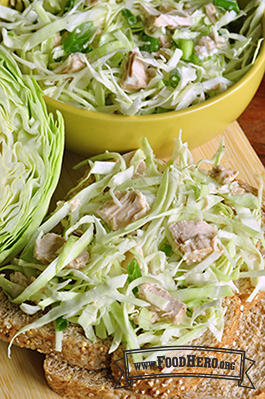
(102, 295)
(79, 54)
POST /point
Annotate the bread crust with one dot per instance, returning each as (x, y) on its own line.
(180, 385)
(76, 348)
(75, 383)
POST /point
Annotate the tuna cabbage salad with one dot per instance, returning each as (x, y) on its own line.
(143, 251)
(133, 57)
(31, 151)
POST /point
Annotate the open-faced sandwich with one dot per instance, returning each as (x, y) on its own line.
(142, 254)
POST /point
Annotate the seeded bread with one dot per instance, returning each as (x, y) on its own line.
(76, 348)
(178, 385)
(251, 339)
(76, 383)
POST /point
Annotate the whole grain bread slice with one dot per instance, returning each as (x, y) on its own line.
(74, 382)
(178, 384)
(76, 348)
(78, 383)
(251, 339)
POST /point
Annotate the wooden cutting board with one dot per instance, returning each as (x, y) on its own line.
(22, 377)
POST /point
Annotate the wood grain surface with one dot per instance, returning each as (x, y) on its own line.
(252, 122)
(22, 377)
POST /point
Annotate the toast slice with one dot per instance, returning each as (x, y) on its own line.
(77, 383)
(178, 384)
(251, 339)
(74, 382)
(76, 348)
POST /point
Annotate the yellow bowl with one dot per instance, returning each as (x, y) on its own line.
(90, 133)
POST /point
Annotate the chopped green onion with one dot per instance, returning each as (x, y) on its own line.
(174, 77)
(167, 249)
(186, 45)
(69, 4)
(138, 27)
(195, 59)
(152, 44)
(134, 272)
(61, 324)
(128, 15)
(228, 5)
(77, 40)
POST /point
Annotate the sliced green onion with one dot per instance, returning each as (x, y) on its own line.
(61, 324)
(194, 58)
(134, 272)
(174, 77)
(128, 15)
(69, 4)
(186, 45)
(167, 249)
(77, 40)
(228, 5)
(152, 44)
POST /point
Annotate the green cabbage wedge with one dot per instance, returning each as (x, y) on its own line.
(31, 151)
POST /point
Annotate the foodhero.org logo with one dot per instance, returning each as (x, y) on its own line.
(184, 361)
(188, 361)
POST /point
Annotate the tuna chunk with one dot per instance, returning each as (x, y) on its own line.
(133, 206)
(206, 47)
(223, 175)
(80, 261)
(196, 240)
(157, 19)
(134, 76)
(171, 21)
(207, 42)
(73, 64)
(140, 170)
(19, 278)
(173, 309)
(47, 249)
(211, 12)
(56, 40)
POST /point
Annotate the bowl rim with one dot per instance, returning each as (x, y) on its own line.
(257, 65)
